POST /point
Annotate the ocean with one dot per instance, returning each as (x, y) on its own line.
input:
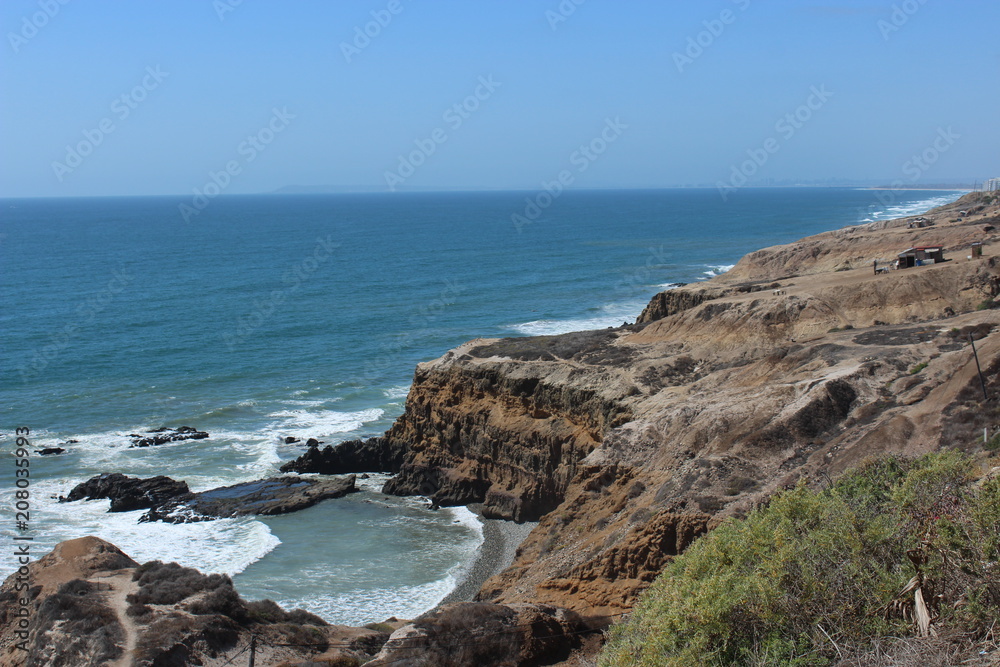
(304, 315)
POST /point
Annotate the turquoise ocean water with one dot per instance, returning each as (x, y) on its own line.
(269, 316)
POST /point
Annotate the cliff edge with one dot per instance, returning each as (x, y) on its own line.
(626, 444)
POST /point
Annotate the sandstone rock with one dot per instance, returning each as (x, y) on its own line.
(672, 302)
(90, 605)
(485, 635)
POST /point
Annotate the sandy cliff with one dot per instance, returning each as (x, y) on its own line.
(628, 443)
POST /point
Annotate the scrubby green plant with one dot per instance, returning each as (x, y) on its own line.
(993, 444)
(987, 304)
(818, 573)
(919, 367)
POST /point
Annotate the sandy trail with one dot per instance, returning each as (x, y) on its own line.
(121, 585)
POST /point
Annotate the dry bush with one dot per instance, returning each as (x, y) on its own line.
(73, 627)
(170, 583)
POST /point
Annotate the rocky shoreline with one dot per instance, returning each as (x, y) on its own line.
(626, 444)
(501, 540)
(614, 450)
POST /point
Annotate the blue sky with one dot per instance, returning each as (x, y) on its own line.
(143, 97)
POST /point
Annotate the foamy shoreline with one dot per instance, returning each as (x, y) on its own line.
(498, 550)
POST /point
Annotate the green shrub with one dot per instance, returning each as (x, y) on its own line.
(993, 444)
(814, 567)
(919, 367)
(986, 305)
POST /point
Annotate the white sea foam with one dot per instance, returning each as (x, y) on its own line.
(399, 391)
(224, 545)
(912, 208)
(612, 315)
(371, 604)
(319, 423)
(718, 269)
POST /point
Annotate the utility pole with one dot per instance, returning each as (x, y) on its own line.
(253, 649)
(982, 382)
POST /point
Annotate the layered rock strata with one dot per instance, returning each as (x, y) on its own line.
(628, 443)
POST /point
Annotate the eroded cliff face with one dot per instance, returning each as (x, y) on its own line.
(629, 443)
(507, 435)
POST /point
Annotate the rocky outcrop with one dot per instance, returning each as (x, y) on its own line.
(171, 501)
(352, 456)
(163, 435)
(276, 495)
(492, 435)
(672, 302)
(128, 493)
(88, 604)
(458, 635)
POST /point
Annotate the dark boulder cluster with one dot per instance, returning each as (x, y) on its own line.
(352, 456)
(163, 435)
(128, 493)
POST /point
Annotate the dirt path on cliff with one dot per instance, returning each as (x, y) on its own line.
(121, 585)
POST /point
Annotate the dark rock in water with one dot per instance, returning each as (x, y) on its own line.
(50, 450)
(289, 439)
(129, 493)
(276, 495)
(71, 442)
(162, 435)
(373, 455)
(313, 442)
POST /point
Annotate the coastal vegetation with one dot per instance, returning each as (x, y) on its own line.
(896, 547)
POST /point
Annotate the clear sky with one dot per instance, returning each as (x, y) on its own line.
(144, 97)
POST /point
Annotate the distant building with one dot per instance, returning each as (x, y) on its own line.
(928, 254)
(992, 185)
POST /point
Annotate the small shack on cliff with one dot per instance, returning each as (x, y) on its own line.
(928, 254)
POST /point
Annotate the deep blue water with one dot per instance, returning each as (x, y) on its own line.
(268, 316)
